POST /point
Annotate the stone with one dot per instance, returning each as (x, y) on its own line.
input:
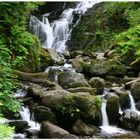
(101, 67)
(130, 120)
(112, 107)
(98, 83)
(54, 97)
(70, 136)
(43, 113)
(49, 130)
(135, 90)
(90, 90)
(18, 124)
(83, 129)
(72, 79)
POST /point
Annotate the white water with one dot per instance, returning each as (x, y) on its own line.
(132, 102)
(57, 33)
(25, 115)
(106, 128)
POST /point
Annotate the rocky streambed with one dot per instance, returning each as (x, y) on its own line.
(92, 97)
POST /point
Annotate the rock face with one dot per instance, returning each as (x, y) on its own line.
(135, 90)
(43, 113)
(103, 67)
(72, 79)
(130, 120)
(49, 130)
(81, 128)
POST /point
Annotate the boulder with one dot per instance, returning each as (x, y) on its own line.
(72, 80)
(83, 129)
(135, 90)
(101, 67)
(54, 98)
(124, 99)
(49, 130)
(112, 107)
(130, 120)
(18, 124)
(90, 90)
(43, 113)
(98, 83)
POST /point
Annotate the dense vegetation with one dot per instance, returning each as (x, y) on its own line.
(16, 43)
(110, 25)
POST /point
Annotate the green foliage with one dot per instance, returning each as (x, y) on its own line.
(16, 45)
(6, 131)
(129, 41)
(98, 102)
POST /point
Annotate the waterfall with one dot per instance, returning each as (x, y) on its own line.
(56, 34)
(25, 115)
(132, 102)
(105, 121)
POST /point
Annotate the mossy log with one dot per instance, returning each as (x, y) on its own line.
(39, 78)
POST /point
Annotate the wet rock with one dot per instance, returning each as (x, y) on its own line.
(55, 56)
(98, 83)
(103, 67)
(92, 91)
(83, 129)
(135, 90)
(124, 99)
(54, 98)
(32, 133)
(130, 120)
(18, 124)
(112, 107)
(43, 113)
(49, 130)
(71, 80)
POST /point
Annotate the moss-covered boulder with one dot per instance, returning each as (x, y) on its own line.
(72, 80)
(112, 107)
(43, 113)
(83, 129)
(103, 67)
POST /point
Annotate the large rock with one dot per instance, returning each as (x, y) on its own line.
(135, 90)
(98, 83)
(54, 98)
(18, 124)
(49, 130)
(43, 113)
(83, 129)
(130, 120)
(103, 67)
(72, 80)
(112, 107)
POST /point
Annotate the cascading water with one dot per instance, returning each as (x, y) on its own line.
(106, 128)
(56, 34)
(132, 102)
(25, 115)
